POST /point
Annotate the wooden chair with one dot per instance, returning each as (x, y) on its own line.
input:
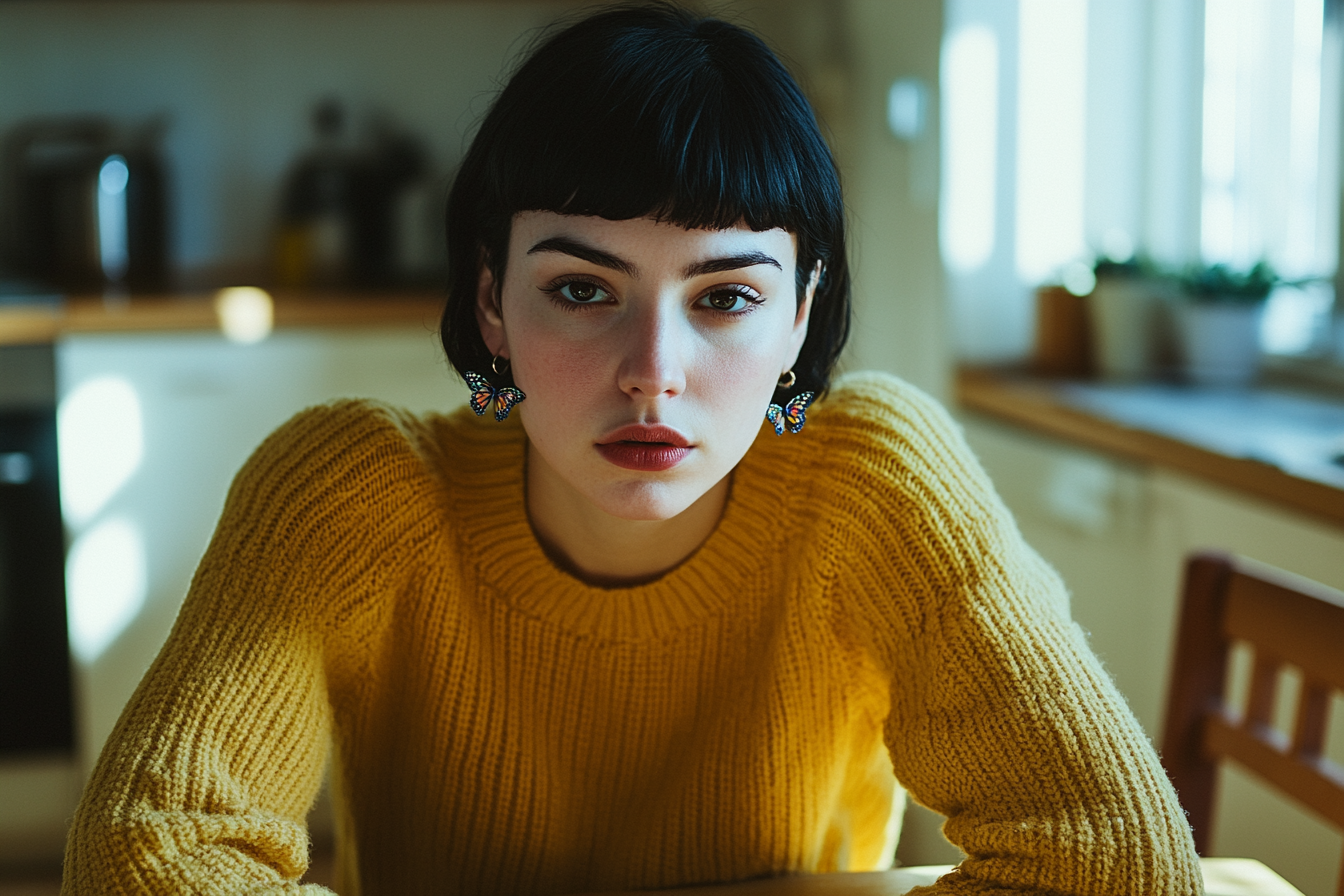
(1287, 620)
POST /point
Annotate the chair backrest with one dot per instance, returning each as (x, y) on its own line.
(1287, 620)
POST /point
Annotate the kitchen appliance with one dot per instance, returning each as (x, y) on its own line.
(352, 213)
(85, 205)
(36, 709)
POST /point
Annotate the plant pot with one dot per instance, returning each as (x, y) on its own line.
(1063, 336)
(1220, 342)
(1122, 311)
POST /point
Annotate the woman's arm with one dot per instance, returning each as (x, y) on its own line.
(206, 780)
(1001, 717)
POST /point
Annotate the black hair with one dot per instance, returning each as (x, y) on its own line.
(650, 110)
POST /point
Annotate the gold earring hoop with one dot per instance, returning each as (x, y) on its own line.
(494, 365)
(787, 379)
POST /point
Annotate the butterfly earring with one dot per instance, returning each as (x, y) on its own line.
(793, 414)
(483, 394)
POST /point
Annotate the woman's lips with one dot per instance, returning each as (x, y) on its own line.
(647, 448)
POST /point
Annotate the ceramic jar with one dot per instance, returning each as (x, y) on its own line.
(1220, 341)
(1123, 311)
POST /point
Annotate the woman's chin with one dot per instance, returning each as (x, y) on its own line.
(646, 501)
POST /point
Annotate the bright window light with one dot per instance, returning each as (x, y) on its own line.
(1295, 318)
(1265, 194)
(105, 586)
(1051, 135)
(970, 86)
(1304, 140)
(1262, 134)
(100, 443)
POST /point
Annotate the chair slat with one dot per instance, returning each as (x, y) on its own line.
(1264, 688)
(1287, 623)
(1304, 781)
(1313, 709)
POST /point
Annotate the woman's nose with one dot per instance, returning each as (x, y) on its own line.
(652, 362)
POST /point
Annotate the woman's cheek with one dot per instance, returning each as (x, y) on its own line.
(739, 381)
(564, 376)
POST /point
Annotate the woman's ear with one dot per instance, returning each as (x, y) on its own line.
(488, 316)
(799, 334)
(805, 309)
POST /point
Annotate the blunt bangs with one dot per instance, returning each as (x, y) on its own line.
(650, 111)
(654, 127)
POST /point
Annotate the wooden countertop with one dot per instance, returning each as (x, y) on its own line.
(1136, 425)
(25, 324)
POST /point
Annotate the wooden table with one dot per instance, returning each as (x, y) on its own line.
(1222, 877)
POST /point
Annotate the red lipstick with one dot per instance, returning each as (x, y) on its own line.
(650, 449)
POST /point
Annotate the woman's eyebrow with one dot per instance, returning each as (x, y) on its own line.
(567, 246)
(729, 263)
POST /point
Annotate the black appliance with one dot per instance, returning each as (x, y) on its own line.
(36, 706)
(340, 202)
(84, 205)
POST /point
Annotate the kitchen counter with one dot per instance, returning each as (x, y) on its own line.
(34, 323)
(1273, 443)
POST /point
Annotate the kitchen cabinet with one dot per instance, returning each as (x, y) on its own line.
(153, 426)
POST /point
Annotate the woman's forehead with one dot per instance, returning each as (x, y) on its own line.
(646, 237)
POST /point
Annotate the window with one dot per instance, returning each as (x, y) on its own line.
(1185, 130)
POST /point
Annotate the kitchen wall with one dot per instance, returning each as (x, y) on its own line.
(236, 83)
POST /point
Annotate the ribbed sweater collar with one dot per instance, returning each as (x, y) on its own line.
(725, 571)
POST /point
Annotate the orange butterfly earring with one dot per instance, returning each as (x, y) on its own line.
(793, 414)
(484, 394)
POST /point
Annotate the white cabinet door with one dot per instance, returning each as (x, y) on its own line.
(152, 429)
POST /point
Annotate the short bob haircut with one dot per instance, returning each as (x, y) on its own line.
(649, 110)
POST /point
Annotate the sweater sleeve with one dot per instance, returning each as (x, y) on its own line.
(1001, 717)
(205, 782)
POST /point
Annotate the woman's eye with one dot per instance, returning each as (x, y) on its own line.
(729, 300)
(581, 292)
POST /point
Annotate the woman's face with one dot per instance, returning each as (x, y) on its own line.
(648, 352)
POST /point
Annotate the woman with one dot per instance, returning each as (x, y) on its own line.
(653, 618)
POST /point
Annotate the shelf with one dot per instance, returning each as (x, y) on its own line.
(26, 324)
(1080, 413)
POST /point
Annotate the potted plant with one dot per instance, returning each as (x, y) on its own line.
(1122, 306)
(1218, 322)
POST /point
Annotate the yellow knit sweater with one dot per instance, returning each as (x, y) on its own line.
(374, 594)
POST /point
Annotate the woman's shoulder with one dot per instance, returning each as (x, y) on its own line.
(876, 397)
(338, 436)
(879, 438)
(357, 450)
(877, 415)
(367, 450)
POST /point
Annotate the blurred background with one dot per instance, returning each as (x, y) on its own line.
(1132, 206)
